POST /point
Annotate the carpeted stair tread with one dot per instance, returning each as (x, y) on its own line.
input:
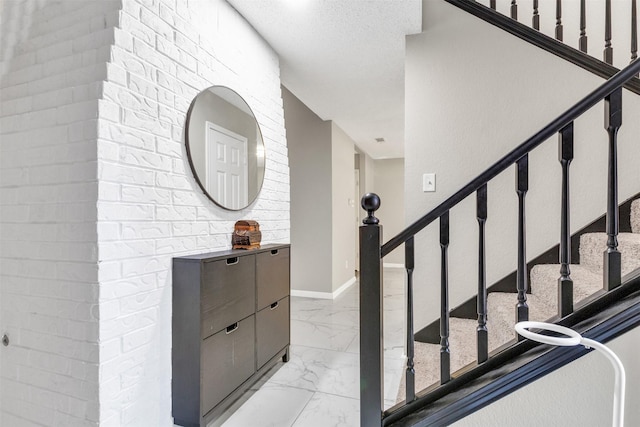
(635, 216)
(542, 301)
(544, 282)
(593, 245)
(502, 316)
(462, 344)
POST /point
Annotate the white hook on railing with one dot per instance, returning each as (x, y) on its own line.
(572, 338)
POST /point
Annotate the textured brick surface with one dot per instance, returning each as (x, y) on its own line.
(150, 208)
(54, 58)
(96, 195)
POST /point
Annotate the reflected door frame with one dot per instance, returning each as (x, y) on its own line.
(226, 166)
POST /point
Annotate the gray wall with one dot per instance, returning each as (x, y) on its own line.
(343, 207)
(388, 183)
(482, 98)
(309, 143)
(323, 203)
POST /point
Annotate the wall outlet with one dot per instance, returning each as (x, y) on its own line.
(429, 182)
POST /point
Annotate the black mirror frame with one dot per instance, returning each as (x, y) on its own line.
(190, 159)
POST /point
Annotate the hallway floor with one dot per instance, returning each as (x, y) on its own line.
(319, 386)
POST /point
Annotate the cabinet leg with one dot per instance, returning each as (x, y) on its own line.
(285, 356)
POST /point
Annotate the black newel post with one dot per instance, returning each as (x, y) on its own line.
(612, 258)
(371, 340)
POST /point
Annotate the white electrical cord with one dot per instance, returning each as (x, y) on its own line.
(572, 338)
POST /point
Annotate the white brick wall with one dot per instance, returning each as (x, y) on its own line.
(96, 195)
(150, 208)
(53, 61)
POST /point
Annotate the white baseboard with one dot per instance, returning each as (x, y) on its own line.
(324, 295)
(344, 287)
(391, 265)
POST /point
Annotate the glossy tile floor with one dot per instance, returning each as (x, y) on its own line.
(319, 386)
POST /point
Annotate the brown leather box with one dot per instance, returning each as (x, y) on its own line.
(246, 235)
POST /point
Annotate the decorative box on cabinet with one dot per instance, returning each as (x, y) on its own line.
(230, 325)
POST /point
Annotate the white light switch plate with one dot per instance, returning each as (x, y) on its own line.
(429, 182)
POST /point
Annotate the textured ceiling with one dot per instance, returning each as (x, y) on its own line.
(344, 59)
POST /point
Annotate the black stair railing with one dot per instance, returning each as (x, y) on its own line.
(560, 40)
(608, 48)
(483, 333)
(607, 55)
(582, 40)
(372, 251)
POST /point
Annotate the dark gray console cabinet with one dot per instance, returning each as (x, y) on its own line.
(230, 325)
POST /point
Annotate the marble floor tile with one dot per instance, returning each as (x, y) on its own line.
(326, 410)
(325, 313)
(320, 335)
(271, 405)
(315, 369)
(393, 370)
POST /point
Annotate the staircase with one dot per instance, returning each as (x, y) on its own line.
(543, 303)
(471, 362)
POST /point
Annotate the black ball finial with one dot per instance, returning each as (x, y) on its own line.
(370, 203)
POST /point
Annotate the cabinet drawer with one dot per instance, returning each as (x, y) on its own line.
(272, 276)
(228, 359)
(228, 292)
(272, 330)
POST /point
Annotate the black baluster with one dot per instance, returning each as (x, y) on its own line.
(445, 356)
(410, 373)
(612, 260)
(582, 41)
(565, 283)
(522, 185)
(559, 20)
(535, 22)
(492, 4)
(482, 333)
(514, 10)
(634, 30)
(371, 338)
(608, 49)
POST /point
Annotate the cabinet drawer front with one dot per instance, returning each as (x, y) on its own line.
(228, 292)
(272, 330)
(272, 276)
(228, 359)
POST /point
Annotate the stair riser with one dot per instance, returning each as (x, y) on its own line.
(635, 216)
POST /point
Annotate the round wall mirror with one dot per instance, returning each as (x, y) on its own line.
(225, 147)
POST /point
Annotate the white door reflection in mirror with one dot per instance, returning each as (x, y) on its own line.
(226, 166)
(230, 174)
